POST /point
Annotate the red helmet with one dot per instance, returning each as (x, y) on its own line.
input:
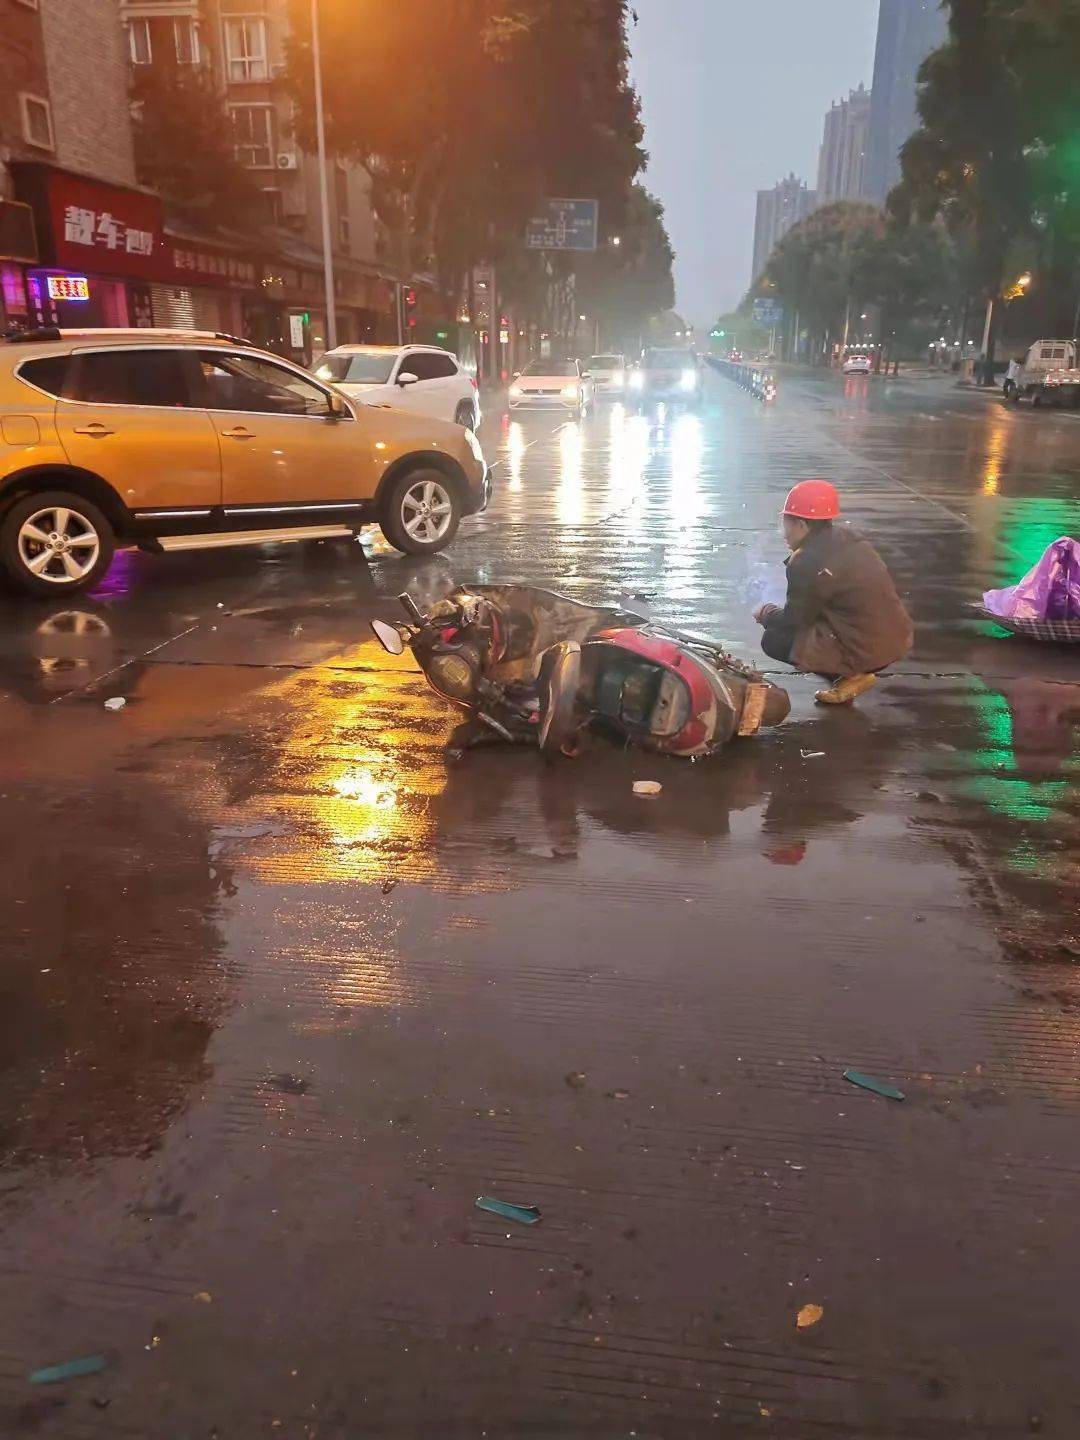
(813, 500)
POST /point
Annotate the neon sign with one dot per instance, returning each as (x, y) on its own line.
(69, 287)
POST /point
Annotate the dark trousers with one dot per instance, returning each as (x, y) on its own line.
(778, 639)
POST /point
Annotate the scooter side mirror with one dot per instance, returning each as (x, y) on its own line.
(389, 637)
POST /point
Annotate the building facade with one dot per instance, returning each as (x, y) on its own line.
(842, 159)
(778, 209)
(83, 244)
(907, 32)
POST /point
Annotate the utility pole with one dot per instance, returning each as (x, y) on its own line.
(324, 189)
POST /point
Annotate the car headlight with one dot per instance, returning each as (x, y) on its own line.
(618, 377)
(570, 392)
(637, 381)
(515, 389)
(689, 379)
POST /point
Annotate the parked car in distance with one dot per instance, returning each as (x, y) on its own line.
(608, 374)
(857, 365)
(422, 378)
(547, 384)
(181, 440)
(667, 373)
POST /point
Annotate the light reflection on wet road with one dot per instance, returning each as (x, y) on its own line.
(289, 981)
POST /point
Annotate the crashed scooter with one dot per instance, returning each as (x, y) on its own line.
(537, 668)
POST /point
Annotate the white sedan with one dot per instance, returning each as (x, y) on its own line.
(858, 365)
(552, 385)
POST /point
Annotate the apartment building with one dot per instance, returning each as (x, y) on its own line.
(243, 43)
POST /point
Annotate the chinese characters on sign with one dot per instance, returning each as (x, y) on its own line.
(69, 287)
(219, 267)
(103, 230)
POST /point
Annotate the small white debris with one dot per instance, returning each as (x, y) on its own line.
(812, 754)
(116, 703)
(647, 787)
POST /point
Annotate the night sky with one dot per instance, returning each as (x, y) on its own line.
(733, 95)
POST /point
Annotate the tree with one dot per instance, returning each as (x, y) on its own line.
(479, 108)
(623, 286)
(183, 141)
(909, 273)
(811, 267)
(997, 155)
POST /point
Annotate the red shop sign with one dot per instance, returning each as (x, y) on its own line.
(190, 262)
(103, 229)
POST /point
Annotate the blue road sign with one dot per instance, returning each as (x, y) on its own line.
(564, 225)
(768, 313)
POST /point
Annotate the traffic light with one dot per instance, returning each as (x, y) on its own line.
(408, 307)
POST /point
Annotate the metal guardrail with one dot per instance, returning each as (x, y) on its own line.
(758, 380)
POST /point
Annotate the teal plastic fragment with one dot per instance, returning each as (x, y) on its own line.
(523, 1214)
(879, 1087)
(69, 1370)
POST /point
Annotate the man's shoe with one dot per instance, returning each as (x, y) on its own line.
(846, 689)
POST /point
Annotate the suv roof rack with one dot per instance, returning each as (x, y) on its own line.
(25, 337)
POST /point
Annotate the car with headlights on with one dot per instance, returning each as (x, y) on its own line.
(608, 373)
(547, 384)
(666, 373)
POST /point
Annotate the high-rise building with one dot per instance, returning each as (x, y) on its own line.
(778, 209)
(842, 160)
(907, 32)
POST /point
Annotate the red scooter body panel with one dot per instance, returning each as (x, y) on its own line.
(698, 735)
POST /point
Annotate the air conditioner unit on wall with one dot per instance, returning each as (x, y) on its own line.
(288, 160)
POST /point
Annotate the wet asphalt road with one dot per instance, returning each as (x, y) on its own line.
(284, 988)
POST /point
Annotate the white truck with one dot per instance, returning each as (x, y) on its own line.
(1048, 375)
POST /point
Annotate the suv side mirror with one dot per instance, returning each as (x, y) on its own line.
(337, 405)
(407, 378)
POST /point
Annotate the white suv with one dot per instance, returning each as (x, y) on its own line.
(423, 378)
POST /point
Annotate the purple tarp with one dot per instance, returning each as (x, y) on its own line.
(1050, 591)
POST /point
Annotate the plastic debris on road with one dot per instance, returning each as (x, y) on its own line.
(523, 1214)
(647, 787)
(879, 1087)
(68, 1370)
(116, 703)
(808, 1315)
(388, 885)
(812, 754)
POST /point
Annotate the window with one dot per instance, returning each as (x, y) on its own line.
(132, 377)
(552, 369)
(142, 52)
(273, 210)
(186, 40)
(245, 48)
(49, 373)
(427, 365)
(37, 121)
(364, 367)
(247, 383)
(253, 135)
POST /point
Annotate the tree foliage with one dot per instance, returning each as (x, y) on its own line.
(848, 255)
(997, 154)
(478, 109)
(183, 141)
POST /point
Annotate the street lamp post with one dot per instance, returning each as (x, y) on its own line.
(324, 188)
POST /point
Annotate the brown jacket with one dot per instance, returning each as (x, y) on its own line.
(843, 606)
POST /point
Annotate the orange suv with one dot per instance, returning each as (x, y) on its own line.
(176, 440)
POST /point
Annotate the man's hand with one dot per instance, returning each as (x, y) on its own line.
(762, 613)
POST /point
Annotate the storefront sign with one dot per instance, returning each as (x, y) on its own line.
(68, 287)
(296, 331)
(190, 263)
(103, 229)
